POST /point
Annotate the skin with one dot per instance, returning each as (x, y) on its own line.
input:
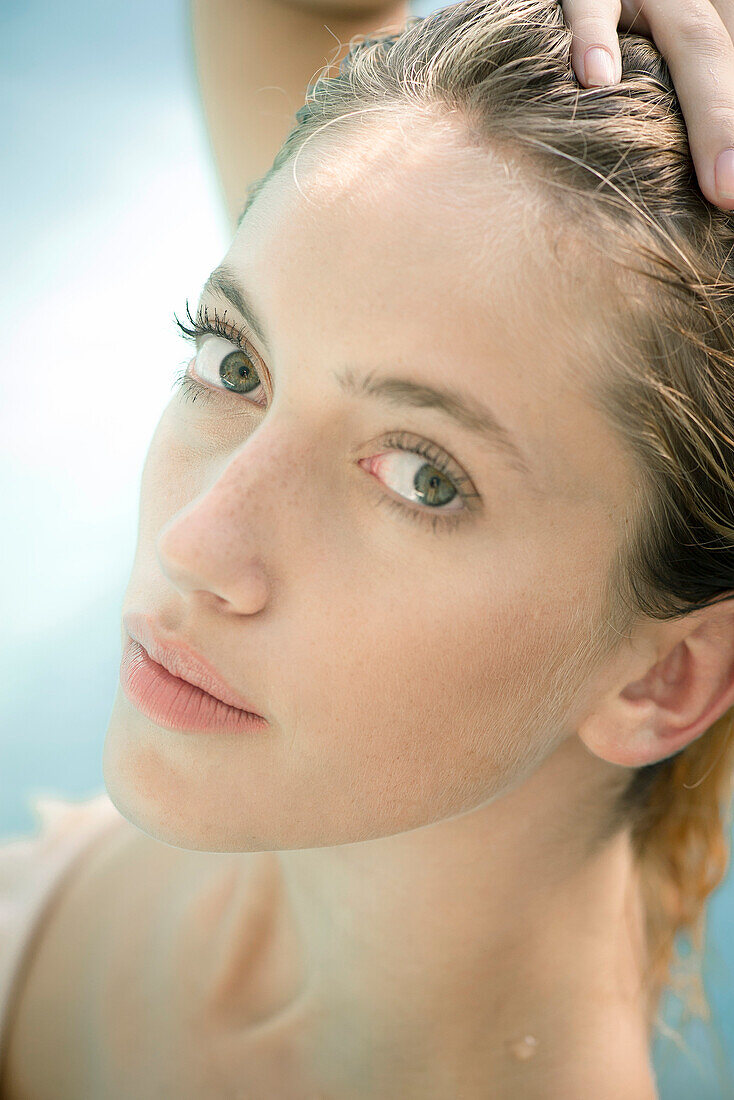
(253, 78)
(417, 826)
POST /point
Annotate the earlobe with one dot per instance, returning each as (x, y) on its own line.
(675, 700)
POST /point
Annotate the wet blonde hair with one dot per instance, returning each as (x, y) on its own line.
(612, 164)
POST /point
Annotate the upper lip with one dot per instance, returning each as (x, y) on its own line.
(181, 659)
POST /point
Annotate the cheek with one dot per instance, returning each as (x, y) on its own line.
(431, 701)
(176, 469)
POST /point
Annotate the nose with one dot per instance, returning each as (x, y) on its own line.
(208, 549)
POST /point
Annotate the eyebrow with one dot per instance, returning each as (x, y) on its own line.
(222, 280)
(463, 408)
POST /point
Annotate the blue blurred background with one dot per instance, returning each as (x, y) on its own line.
(112, 216)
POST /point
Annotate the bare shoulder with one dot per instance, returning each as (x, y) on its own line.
(74, 936)
(98, 983)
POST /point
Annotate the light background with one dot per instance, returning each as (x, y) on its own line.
(111, 217)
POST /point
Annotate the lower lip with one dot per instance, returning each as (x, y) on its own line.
(174, 703)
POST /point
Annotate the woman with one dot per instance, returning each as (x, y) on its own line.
(422, 739)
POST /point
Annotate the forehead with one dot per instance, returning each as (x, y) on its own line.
(415, 253)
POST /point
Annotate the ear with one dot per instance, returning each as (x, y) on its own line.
(663, 693)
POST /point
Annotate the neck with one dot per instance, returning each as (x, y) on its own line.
(486, 947)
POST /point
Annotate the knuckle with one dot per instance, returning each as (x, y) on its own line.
(594, 32)
(591, 20)
(719, 116)
(698, 30)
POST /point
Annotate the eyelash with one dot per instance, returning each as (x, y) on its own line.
(204, 324)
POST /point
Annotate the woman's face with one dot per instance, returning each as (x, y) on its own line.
(410, 626)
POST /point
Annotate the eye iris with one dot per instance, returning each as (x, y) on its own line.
(236, 369)
(433, 487)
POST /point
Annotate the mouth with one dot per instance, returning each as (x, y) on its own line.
(174, 703)
(182, 661)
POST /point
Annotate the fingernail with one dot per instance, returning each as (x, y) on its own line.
(724, 173)
(599, 66)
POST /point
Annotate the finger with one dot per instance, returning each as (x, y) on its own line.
(633, 18)
(595, 55)
(698, 47)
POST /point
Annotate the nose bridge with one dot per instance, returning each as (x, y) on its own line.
(271, 471)
(248, 504)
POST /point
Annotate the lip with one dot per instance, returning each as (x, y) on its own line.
(181, 660)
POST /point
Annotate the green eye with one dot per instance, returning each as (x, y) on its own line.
(237, 371)
(222, 365)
